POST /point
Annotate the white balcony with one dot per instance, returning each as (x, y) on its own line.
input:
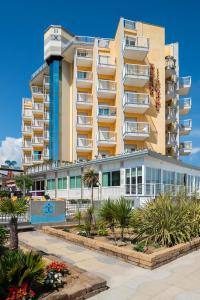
(27, 145)
(106, 113)
(185, 148)
(170, 66)
(84, 144)
(184, 85)
(37, 91)
(84, 57)
(84, 40)
(104, 43)
(38, 141)
(38, 124)
(106, 89)
(136, 130)
(170, 90)
(185, 127)
(27, 160)
(136, 48)
(27, 114)
(171, 140)
(136, 75)
(84, 79)
(84, 100)
(84, 122)
(136, 102)
(185, 106)
(27, 129)
(38, 108)
(106, 138)
(46, 117)
(170, 115)
(106, 66)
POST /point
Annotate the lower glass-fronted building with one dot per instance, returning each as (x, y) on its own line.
(138, 176)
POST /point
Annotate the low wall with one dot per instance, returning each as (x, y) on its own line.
(148, 261)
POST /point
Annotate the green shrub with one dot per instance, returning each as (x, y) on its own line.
(17, 267)
(102, 232)
(167, 222)
(139, 247)
(3, 237)
(66, 229)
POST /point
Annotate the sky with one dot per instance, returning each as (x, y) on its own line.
(22, 24)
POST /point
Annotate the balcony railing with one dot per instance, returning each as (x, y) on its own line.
(27, 129)
(135, 99)
(171, 114)
(38, 106)
(85, 39)
(46, 98)
(46, 116)
(37, 90)
(27, 144)
(84, 98)
(38, 123)
(136, 42)
(185, 81)
(38, 140)
(107, 85)
(186, 124)
(129, 24)
(84, 75)
(27, 160)
(106, 136)
(136, 127)
(105, 60)
(84, 120)
(171, 139)
(84, 53)
(186, 146)
(84, 143)
(103, 43)
(185, 103)
(27, 113)
(46, 80)
(106, 111)
(46, 134)
(136, 70)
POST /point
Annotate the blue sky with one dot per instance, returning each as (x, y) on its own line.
(22, 25)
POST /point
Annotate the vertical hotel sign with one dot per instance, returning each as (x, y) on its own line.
(47, 212)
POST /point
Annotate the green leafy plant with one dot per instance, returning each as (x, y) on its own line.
(18, 267)
(107, 214)
(55, 273)
(13, 209)
(3, 237)
(23, 182)
(139, 247)
(102, 232)
(122, 213)
(78, 217)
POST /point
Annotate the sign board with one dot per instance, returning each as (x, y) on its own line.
(47, 212)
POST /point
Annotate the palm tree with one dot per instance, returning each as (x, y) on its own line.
(90, 179)
(13, 209)
(107, 214)
(122, 212)
(10, 164)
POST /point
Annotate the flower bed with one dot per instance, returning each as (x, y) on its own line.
(149, 261)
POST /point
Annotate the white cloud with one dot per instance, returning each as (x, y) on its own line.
(10, 149)
(195, 150)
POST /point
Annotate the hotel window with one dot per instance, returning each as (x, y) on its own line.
(62, 183)
(51, 184)
(75, 182)
(153, 181)
(133, 180)
(111, 178)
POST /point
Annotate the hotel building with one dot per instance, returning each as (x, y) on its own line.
(99, 98)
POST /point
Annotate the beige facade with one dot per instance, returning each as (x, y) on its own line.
(115, 95)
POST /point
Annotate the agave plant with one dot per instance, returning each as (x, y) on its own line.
(13, 209)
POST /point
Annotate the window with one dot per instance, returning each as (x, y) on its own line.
(51, 184)
(75, 182)
(111, 178)
(62, 183)
(153, 181)
(133, 180)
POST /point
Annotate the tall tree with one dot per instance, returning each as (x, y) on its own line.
(13, 209)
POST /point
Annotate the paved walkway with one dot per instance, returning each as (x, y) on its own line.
(179, 280)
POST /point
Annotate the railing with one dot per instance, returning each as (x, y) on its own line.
(136, 98)
(27, 113)
(106, 136)
(38, 123)
(103, 43)
(107, 111)
(136, 42)
(46, 98)
(107, 85)
(27, 144)
(37, 90)
(27, 159)
(136, 127)
(46, 80)
(38, 140)
(27, 129)
(46, 115)
(171, 139)
(84, 143)
(185, 103)
(38, 106)
(186, 146)
(105, 60)
(185, 81)
(85, 39)
(84, 53)
(171, 114)
(170, 62)
(185, 124)
(129, 24)
(84, 75)
(5, 218)
(46, 134)
(84, 120)
(84, 98)
(136, 70)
